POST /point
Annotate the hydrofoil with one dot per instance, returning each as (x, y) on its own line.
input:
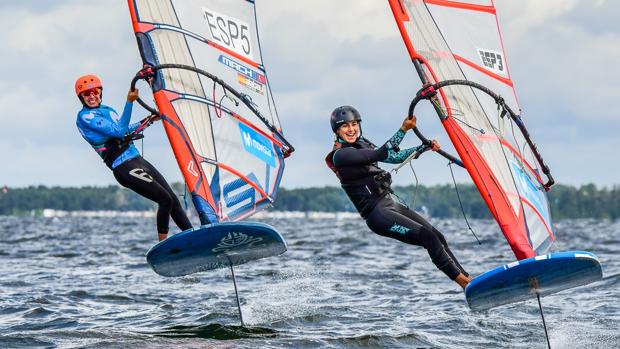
(214, 246)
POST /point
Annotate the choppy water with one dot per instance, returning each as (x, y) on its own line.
(84, 283)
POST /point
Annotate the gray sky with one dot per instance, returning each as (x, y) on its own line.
(319, 54)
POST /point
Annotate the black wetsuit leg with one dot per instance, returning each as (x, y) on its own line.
(394, 220)
(140, 176)
(402, 209)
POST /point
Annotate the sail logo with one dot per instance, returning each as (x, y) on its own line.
(249, 83)
(240, 195)
(493, 61)
(243, 70)
(191, 169)
(234, 240)
(257, 145)
(229, 32)
(535, 195)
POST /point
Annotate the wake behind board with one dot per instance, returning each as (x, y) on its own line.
(524, 279)
(214, 246)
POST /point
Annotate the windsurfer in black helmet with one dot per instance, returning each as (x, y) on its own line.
(354, 160)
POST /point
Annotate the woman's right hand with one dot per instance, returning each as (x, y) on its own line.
(132, 95)
(408, 123)
(154, 117)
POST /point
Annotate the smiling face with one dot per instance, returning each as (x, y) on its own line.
(92, 97)
(349, 131)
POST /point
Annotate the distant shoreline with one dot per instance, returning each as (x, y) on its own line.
(439, 201)
(51, 213)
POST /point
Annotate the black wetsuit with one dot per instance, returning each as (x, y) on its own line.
(368, 187)
(140, 176)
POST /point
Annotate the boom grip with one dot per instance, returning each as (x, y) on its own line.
(419, 96)
(151, 70)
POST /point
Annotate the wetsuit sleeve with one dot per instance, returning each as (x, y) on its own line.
(108, 128)
(394, 142)
(126, 116)
(396, 157)
(359, 157)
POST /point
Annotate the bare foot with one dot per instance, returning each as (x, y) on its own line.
(463, 280)
(162, 236)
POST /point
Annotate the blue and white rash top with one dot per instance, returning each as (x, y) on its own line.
(98, 125)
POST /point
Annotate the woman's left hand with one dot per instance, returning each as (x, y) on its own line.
(408, 123)
(154, 117)
(435, 145)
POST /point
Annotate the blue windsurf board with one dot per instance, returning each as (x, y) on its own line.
(214, 246)
(522, 280)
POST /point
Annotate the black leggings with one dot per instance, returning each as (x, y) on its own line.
(140, 176)
(396, 221)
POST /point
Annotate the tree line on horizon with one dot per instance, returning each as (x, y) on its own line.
(441, 201)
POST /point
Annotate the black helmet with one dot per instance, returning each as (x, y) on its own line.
(343, 114)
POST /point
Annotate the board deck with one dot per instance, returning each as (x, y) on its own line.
(519, 281)
(214, 246)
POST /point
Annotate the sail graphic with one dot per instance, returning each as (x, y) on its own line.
(457, 49)
(211, 87)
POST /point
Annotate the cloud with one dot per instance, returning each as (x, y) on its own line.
(343, 20)
(564, 70)
(80, 27)
(46, 48)
(28, 117)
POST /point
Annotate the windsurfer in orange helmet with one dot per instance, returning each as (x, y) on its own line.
(111, 136)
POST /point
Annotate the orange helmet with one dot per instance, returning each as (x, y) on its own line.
(87, 82)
